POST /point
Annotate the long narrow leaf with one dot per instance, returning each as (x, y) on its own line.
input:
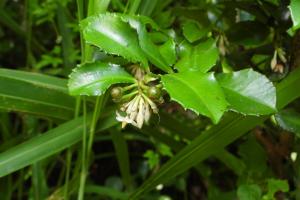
(121, 149)
(49, 143)
(36, 94)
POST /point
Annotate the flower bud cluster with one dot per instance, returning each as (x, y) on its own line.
(138, 101)
(278, 61)
(137, 111)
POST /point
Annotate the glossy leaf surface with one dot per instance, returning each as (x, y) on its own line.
(95, 78)
(150, 49)
(249, 92)
(198, 92)
(213, 140)
(295, 13)
(193, 32)
(110, 33)
(198, 58)
(168, 51)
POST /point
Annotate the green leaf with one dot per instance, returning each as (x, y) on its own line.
(150, 49)
(249, 192)
(192, 31)
(35, 94)
(121, 149)
(231, 161)
(198, 58)
(152, 158)
(110, 33)
(106, 192)
(289, 120)
(249, 92)
(96, 78)
(168, 51)
(274, 186)
(47, 144)
(198, 92)
(295, 14)
(216, 138)
(254, 155)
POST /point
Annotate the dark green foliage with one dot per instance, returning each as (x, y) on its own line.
(149, 99)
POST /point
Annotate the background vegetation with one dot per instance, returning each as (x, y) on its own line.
(57, 146)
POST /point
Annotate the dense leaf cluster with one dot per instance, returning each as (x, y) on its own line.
(150, 99)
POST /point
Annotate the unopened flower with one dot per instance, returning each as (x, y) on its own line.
(137, 111)
(279, 55)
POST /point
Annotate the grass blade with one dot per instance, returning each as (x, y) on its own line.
(49, 143)
(106, 192)
(36, 94)
(121, 149)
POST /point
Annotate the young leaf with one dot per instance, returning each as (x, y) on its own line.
(96, 78)
(198, 58)
(110, 33)
(249, 192)
(274, 186)
(249, 92)
(168, 51)
(295, 14)
(150, 49)
(197, 91)
(289, 120)
(192, 31)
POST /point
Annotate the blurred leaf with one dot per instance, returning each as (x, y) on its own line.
(275, 186)
(275, 2)
(198, 92)
(198, 58)
(121, 149)
(47, 144)
(95, 78)
(248, 33)
(35, 94)
(249, 92)
(249, 192)
(231, 161)
(295, 14)
(289, 120)
(192, 31)
(165, 150)
(253, 155)
(105, 192)
(111, 34)
(153, 158)
(39, 181)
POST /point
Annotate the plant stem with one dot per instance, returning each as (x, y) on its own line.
(80, 17)
(83, 156)
(97, 111)
(87, 55)
(69, 155)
